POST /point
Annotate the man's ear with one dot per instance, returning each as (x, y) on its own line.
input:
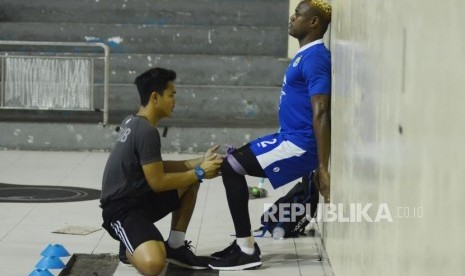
(315, 21)
(154, 96)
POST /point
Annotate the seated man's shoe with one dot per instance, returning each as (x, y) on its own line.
(231, 249)
(238, 260)
(184, 257)
(225, 252)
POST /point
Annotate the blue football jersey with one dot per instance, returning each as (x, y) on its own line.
(308, 74)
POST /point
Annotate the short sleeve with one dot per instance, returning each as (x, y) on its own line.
(148, 145)
(316, 69)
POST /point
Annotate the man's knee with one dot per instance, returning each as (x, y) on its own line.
(232, 166)
(226, 168)
(151, 266)
(195, 187)
(189, 190)
(149, 257)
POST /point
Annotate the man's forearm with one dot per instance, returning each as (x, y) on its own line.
(174, 180)
(322, 129)
(192, 163)
(182, 165)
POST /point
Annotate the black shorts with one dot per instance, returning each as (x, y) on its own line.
(131, 221)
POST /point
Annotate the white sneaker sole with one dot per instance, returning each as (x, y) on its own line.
(178, 263)
(239, 267)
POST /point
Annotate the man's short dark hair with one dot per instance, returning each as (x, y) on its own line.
(153, 80)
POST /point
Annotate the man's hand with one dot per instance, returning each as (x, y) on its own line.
(211, 165)
(323, 181)
(211, 152)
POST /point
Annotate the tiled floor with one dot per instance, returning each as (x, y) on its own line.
(26, 228)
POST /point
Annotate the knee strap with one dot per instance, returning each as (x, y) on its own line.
(235, 165)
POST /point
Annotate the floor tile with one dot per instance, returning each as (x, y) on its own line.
(27, 228)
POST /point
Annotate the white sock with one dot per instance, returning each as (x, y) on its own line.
(176, 239)
(246, 244)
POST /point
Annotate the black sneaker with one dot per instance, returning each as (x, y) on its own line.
(238, 260)
(122, 254)
(184, 257)
(231, 249)
(225, 252)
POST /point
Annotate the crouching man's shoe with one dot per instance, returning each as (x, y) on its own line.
(184, 257)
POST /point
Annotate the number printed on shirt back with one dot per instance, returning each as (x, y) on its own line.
(123, 135)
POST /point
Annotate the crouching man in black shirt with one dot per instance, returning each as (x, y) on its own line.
(140, 188)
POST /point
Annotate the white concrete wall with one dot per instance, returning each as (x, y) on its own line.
(398, 136)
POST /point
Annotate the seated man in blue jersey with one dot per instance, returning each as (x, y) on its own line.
(303, 142)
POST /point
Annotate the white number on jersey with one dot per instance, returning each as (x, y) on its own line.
(265, 143)
(123, 134)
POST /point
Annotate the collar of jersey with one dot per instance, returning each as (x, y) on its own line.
(319, 41)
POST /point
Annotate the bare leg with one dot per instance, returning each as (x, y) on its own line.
(149, 258)
(182, 216)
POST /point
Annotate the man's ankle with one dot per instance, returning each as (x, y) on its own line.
(176, 239)
(246, 244)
